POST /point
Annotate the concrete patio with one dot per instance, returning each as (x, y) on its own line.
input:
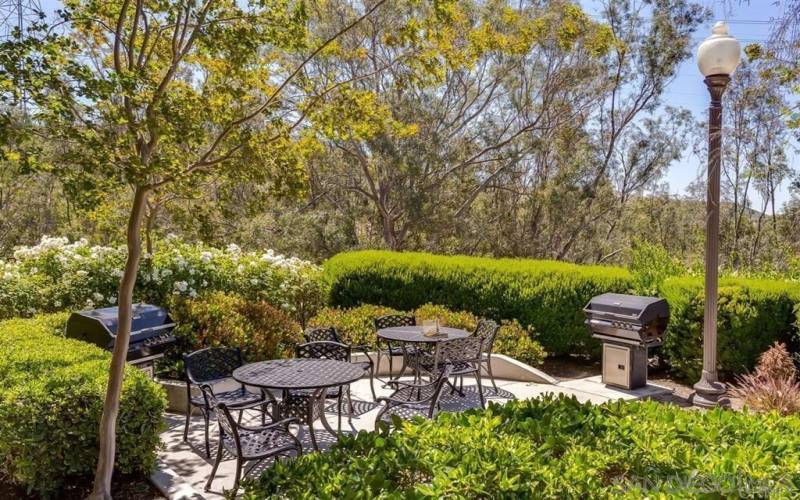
(183, 468)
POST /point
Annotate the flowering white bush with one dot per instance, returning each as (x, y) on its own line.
(57, 274)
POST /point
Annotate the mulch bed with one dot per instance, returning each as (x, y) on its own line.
(131, 487)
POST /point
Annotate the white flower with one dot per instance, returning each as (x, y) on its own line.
(180, 286)
(204, 283)
(117, 273)
(206, 257)
(7, 275)
(89, 304)
(97, 296)
(82, 273)
(165, 273)
(172, 236)
(254, 281)
(240, 269)
(112, 299)
(233, 248)
(57, 303)
(192, 293)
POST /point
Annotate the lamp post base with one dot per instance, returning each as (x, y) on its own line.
(709, 394)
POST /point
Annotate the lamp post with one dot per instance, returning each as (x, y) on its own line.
(717, 57)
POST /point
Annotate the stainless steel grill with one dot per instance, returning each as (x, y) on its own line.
(151, 332)
(628, 325)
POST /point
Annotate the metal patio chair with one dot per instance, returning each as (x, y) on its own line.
(392, 348)
(463, 356)
(329, 334)
(210, 366)
(248, 443)
(410, 400)
(487, 330)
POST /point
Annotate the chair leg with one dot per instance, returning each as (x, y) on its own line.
(491, 375)
(372, 382)
(480, 389)
(189, 412)
(339, 410)
(216, 466)
(208, 447)
(313, 436)
(350, 404)
(238, 475)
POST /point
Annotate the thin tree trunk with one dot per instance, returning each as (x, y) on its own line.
(108, 422)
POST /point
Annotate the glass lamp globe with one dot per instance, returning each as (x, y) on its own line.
(719, 54)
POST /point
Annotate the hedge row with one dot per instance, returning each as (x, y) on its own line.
(51, 399)
(555, 448)
(546, 295)
(550, 296)
(752, 315)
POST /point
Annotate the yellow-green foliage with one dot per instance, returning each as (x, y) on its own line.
(356, 326)
(51, 399)
(554, 448)
(752, 315)
(546, 295)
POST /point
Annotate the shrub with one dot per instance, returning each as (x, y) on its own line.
(752, 315)
(651, 264)
(554, 448)
(356, 325)
(547, 295)
(56, 275)
(773, 385)
(518, 342)
(218, 319)
(51, 399)
(454, 319)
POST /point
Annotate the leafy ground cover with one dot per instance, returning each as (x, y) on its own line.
(555, 448)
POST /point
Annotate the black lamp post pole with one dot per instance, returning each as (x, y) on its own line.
(709, 390)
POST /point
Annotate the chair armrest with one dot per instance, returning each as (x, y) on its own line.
(280, 423)
(250, 406)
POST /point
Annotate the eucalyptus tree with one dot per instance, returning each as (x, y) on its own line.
(156, 96)
(458, 114)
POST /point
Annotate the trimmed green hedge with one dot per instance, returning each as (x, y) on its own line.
(51, 399)
(752, 315)
(555, 448)
(547, 295)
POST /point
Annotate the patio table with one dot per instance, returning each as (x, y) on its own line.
(300, 374)
(416, 335)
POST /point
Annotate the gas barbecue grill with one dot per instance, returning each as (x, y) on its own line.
(151, 332)
(628, 325)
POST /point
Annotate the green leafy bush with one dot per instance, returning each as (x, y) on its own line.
(356, 326)
(651, 264)
(56, 275)
(219, 319)
(455, 319)
(51, 399)
(753, 314)
(547, 295)
(554, 448)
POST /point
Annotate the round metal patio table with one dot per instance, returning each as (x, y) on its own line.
(300, 374)
(416, 335)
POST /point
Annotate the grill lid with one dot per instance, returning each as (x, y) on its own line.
(632, 308)
(145, 316)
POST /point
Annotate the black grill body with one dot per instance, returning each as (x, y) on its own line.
(628, 325)
(151, 331)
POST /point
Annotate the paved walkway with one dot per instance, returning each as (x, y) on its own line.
(184, 469)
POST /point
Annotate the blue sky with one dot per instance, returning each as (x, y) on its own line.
(749, 21)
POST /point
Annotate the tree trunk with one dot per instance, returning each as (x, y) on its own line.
(108, 422)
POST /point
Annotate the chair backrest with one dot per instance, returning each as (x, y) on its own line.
(323, 350)
(487, 330)
(321, 334)
(463, 350)
(392, 320)
(212, 363)
(227, 425)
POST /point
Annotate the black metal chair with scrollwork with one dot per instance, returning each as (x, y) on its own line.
(248, 443)
(463, 356)
(210, 366)
(392, 349)
(487, 330)
(329, 334)
(410, 400)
